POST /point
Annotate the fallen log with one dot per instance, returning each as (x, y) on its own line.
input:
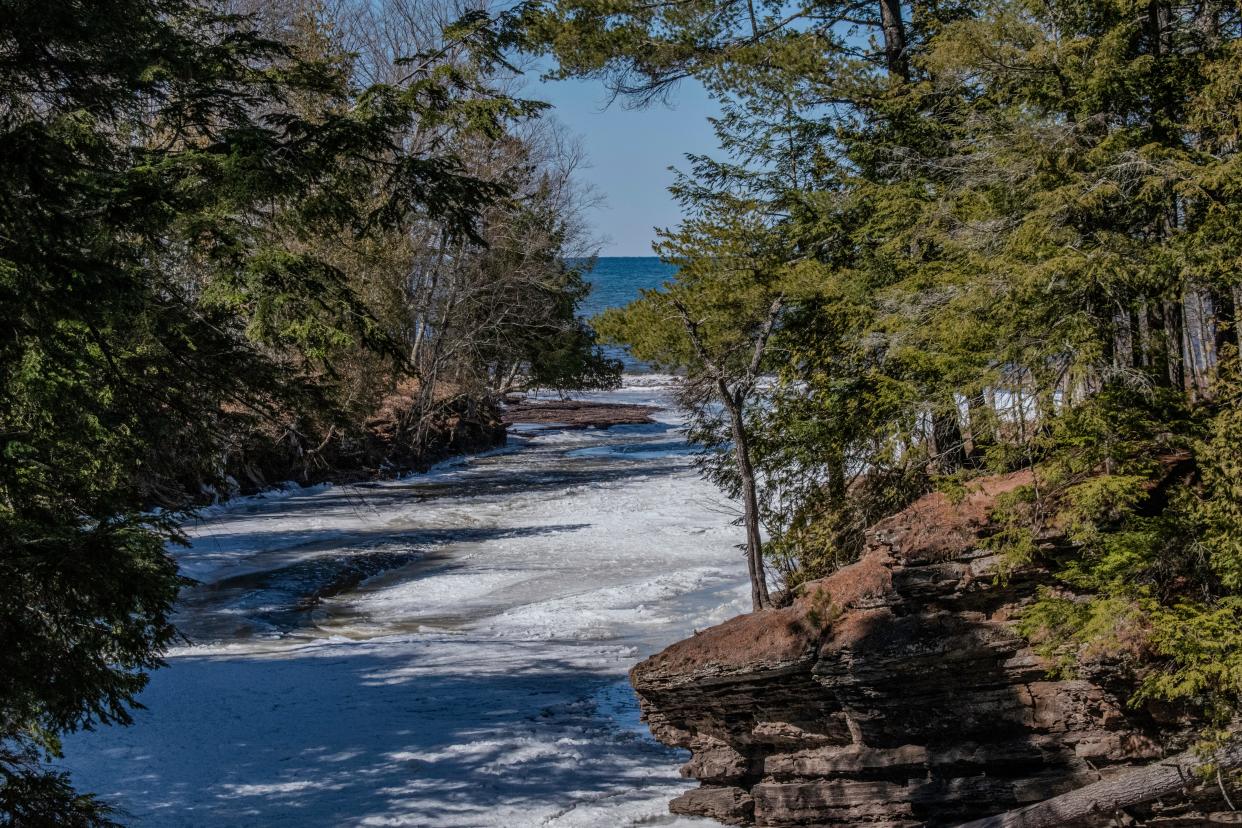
(1106, 797)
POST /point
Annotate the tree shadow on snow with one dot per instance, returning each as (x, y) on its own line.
(335, 736)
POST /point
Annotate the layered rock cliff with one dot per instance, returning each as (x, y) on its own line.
(894, 693)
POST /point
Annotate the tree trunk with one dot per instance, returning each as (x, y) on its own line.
(750, 500)
(948, 447)
(975, 430)
(1136, 339)
(1165, 316)
(417, 302)
(1190, 343)
(1108, 354)
(1206, 337)
(1207, 21)
(1175, 320)
(1105, 798)
(894, 29)
(1224, 316)
(1157, 344)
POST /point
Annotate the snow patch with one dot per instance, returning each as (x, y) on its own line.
(444, 650)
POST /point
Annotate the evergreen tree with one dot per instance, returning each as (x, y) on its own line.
(1010, 244)
(715, 322)
(164, 168)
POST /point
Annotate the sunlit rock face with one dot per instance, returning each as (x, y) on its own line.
(894, 693)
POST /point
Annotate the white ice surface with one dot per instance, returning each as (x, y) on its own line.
(444, 650)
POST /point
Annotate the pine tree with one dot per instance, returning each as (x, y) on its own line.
(1010, 244)
(162, 166)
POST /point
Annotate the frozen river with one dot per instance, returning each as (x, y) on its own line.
(445, 650)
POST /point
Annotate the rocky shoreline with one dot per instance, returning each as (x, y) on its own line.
(897, 693)
(383, 447)
(578, 413)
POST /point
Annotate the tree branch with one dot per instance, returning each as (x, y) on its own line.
(762, 342)
(696, 340)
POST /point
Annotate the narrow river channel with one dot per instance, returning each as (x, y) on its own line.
(448, 649)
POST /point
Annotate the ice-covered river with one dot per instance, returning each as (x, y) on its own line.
(445, 650)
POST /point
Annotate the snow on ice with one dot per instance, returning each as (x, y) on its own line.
(449, 649)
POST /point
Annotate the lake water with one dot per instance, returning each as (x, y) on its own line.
(617, 281)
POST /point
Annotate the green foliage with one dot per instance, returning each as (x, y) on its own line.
(953, 487)
(1018, 525)
(37, 799)
(1216, 507)
(1006, 235)
(1153, 556)
(1070, 630)
(183, 202)
(821, 612)
(1200, 650)
(524, 316)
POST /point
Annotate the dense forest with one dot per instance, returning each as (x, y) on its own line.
(948, 239)
(241, 244)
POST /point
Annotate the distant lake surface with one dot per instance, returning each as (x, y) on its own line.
(615, 282)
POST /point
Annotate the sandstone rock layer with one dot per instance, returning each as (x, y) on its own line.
(894, 693)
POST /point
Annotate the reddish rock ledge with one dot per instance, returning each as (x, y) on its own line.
(894, 693)
(578, 413)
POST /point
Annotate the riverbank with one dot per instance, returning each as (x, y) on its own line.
(262, 455)
(448, 649)
(578, 413)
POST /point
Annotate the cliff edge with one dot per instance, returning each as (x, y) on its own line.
(894, 693)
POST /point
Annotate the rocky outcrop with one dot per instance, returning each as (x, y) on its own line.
(894, 693)
(578, 413)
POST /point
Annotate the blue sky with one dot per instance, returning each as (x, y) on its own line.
(629, 152)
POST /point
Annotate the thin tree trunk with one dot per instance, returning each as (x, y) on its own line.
(428, 381)
(421, 327)
(759, 597)
(1157, 343)
(733, 401)
(980, 428)
(1136, 339)
(507, 386)
(1108, 355)
(894, 29)
(1224, 313)
(1177, 361)
(1207, 338)
(947, 444)
(1105, 798)
(1020, 411)
(1190, 342)
(1165, 317)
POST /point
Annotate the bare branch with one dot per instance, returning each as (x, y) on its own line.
(696, 340)
(761, 343)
